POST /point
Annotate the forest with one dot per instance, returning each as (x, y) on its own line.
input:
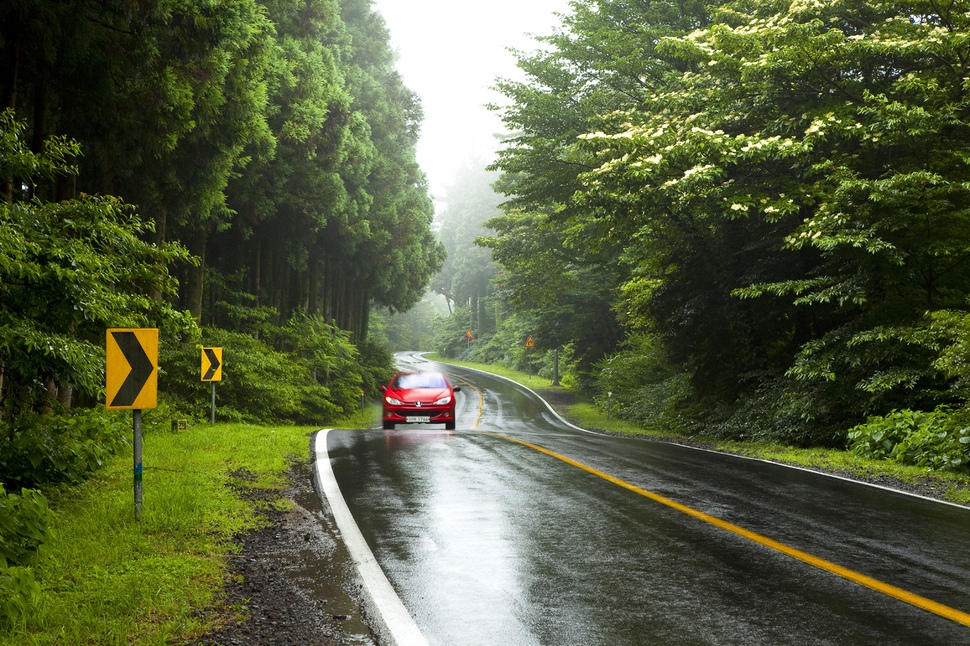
(744, 219)
(235, 173)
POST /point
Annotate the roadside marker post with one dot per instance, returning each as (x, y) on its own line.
(131, 383)
(212, 372)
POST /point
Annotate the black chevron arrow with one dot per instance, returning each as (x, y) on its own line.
(141, 368)
(213, 364)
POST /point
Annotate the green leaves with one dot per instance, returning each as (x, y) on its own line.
(68, 271)
(24, 521)
(24, 529)
(933, 440)
(788, 184)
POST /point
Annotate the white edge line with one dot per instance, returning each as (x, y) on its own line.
(734, 455)
(394, 624)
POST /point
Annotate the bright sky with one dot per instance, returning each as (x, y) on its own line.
(450, 52)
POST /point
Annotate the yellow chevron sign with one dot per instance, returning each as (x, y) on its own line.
(131, 368)
(211, 364)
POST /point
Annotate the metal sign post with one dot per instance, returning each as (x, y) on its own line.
(212, 371)
(555, 367)
(136, 423)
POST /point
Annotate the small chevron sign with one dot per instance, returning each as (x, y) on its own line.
(211, 364)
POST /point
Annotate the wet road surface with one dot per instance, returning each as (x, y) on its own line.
(488, 540)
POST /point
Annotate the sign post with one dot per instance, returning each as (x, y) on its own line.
(131, 383)
(212, 372)
(555, 367)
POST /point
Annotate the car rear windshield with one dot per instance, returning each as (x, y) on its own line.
(422, 380)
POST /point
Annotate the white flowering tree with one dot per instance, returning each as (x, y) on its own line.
(796, 200)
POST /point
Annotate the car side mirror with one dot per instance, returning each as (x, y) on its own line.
(383, 388)
(457, 389)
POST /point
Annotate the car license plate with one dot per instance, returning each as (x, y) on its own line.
(418, 420)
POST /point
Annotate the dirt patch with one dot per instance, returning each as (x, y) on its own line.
(292, 581)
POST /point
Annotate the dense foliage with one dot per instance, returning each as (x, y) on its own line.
(24, 529)
(254, 168)
(769, 199)
(273, 139)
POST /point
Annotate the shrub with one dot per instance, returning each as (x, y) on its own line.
(58, 447)
(936, 447)
(259, 384)
(24, 529)
(646, 389)
(18, 589)
(928, 439)
(377, 367)
(24, 526)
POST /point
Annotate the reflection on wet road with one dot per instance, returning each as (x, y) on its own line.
(489, 541)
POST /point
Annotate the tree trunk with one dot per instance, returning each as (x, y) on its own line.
(313, 283)
(257, 270)
(10, 87)
(196, 276)
(160, 219)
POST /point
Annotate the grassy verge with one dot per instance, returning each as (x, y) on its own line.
(107, 578)
(949, 486)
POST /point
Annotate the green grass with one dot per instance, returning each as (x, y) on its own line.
(107, 578)
(951, 486)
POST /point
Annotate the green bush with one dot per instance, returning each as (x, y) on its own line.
(24, 526)
(331, 359)
(377, 367)
(305, 371)
(24, 529)
(938, 448)
(18, 589)
(259, 384)
(645, 388)
(928, 439)
(58, 447)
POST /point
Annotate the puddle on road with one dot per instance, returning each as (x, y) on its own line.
(325, 574)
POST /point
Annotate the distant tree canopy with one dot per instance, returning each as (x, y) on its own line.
(465, 279)
(272, 139)
(776, 191)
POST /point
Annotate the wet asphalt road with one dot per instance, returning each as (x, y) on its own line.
(492, 542)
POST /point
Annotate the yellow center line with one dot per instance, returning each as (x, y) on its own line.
(856, 577)
(481, 401)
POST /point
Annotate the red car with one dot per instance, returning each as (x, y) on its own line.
(419, 398)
